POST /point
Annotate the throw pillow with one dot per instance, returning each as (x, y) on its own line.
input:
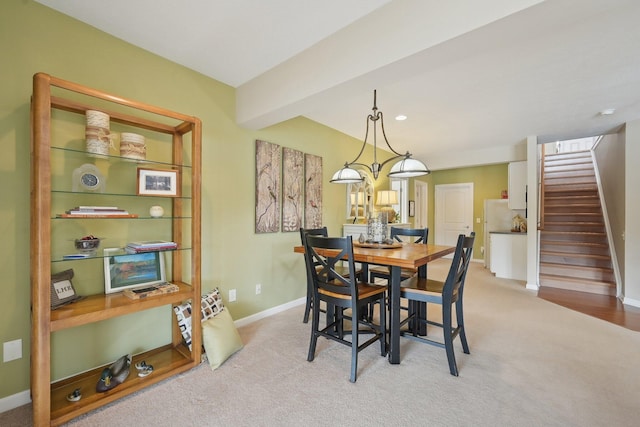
(210, 305)
(220, 338)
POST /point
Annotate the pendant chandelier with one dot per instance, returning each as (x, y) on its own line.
(406, 167)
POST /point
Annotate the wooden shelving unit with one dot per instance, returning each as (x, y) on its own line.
(50, 406)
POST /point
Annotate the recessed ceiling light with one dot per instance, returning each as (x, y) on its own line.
(608, 111)
(401, 117)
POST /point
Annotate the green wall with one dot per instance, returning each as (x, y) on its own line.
(35, 39)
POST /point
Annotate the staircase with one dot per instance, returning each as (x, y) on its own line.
(574, 250)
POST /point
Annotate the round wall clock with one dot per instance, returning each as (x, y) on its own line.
(88, 178)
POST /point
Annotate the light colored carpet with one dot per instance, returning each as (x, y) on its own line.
(532, 363)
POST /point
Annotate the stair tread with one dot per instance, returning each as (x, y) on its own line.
(573, 222)
(570, 243)
(564, 232)
(574, 255)
(574, 267)
(574, 279)
(575, 197)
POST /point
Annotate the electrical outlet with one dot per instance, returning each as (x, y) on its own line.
(482, 249)
(12, 350)
(232, 295)
(258, 289)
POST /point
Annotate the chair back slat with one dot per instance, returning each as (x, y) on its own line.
(323, 267)
(312, 232)
(454, 284)
(421, 234)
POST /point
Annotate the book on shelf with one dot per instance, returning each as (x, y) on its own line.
(96, 208)
(148, 291)
(96, 211)
(97, 215)
(150, 246)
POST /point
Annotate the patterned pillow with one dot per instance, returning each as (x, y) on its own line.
(210, 305)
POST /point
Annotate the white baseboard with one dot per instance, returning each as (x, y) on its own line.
(11, 402)
(24, 397)
(269, 312)
(632, 302)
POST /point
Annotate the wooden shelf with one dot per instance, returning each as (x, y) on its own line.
(95, 308)
(50, 406)
(166, 361)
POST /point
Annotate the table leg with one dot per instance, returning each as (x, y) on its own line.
(394, 316)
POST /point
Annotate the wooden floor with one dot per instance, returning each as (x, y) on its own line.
(601, 306)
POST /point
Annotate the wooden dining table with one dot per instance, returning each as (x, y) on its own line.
(405, 255)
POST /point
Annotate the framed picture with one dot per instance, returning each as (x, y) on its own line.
(124, 271)
(158, 182)
(412, 208)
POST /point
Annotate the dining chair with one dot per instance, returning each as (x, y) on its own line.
(399, 234)
(422, 290)
(322, 231)
(340, 292)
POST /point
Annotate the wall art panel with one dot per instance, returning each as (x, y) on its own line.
(267, 187)
(313, 191)
(292, 189)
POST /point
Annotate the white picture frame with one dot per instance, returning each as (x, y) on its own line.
(158, 182)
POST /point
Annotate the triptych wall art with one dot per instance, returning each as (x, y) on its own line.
(298, 202)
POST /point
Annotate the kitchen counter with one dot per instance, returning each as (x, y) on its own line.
(515, 233)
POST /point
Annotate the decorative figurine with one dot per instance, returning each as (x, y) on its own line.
(74, 396)
(144, 369)
(114, 374)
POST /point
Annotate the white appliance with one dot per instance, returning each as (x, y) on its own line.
(497, 217)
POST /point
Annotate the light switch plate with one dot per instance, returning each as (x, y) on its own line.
(11, 350)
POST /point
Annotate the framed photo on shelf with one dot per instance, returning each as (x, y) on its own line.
(412, 208)
(158, 182)
(125, 271)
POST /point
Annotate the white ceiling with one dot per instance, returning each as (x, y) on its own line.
(472, 77)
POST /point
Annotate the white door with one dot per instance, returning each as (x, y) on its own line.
(453, 211)
(421, 204)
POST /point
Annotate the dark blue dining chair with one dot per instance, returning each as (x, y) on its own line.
(342, 291)
(447, 294)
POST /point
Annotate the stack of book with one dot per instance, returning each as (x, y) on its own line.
(150, 246)
(97, 211)
(159, 289)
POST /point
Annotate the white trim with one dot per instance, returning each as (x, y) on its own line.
(14, 401)
(270, 312)
(533, 286)
(607, 225)
(631, 302)
(24, 397)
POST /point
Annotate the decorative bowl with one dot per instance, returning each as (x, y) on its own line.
(87, 244)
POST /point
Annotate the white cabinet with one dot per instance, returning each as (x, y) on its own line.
(518, 185)
(509, 255)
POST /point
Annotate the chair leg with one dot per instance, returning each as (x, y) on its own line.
(448, 338)
(460, 319)
(383, 327)
(315, 326)
(354, 346)
(307, 308)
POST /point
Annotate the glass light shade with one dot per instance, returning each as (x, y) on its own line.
(346, 175)
(408, 168)
(387, 197)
